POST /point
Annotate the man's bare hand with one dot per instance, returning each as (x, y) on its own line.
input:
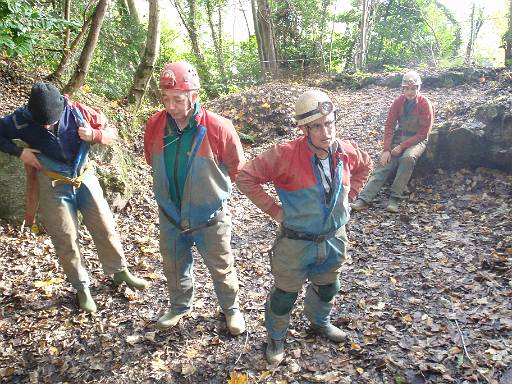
(397, 151)
(29, 158)
(85, 132)
(385, 158)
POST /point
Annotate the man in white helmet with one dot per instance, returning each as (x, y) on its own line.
(406, 132)
(314, 176)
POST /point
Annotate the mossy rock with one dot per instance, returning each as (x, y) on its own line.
(115, 174)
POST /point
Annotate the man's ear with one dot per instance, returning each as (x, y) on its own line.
(193, 97)
(304, 129)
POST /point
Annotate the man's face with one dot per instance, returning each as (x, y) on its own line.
(410, 91)
(178, 103)
(322, 131)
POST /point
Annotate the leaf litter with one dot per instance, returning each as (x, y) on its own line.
(425, 294)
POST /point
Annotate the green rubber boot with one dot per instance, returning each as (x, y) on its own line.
(331, 332)
(85, 300)
(130, 280)
(393, 205)
(359, 205)
(275, 351)
(171, 318)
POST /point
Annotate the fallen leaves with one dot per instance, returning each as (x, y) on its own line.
(446, 257)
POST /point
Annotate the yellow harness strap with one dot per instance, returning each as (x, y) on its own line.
(75, 181)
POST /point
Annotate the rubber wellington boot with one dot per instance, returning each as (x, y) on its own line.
(235, 323)
(331, 332)
(393, 205)
(85, 300)
(275, 350)
(359, 205)
(130, 280)
(171, 318)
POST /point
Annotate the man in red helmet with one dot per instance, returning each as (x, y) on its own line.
(195, 155)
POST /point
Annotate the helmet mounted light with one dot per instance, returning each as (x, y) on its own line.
(324, 108)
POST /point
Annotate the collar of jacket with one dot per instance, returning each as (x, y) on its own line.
(336, 150)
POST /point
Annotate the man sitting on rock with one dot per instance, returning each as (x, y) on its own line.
(59, 133)
(314, 177)
(406, 132)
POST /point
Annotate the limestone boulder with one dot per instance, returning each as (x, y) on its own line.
(479, 137)
(115, 173)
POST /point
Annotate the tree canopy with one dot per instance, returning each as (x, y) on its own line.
(282, 38)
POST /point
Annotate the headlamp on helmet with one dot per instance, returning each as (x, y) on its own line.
(312, 105)
(324, 108)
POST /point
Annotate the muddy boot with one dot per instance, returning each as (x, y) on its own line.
(359, 205)
(275, 351)
(171, 318)
(393, 205)
(235, 323)
(130, 280)
(331, 332)
(85, 300)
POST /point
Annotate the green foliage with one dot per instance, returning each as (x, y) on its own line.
(300, 30)
(392, 68)
(245, 64)
(410, 32)
(24, 24)
(117, 56)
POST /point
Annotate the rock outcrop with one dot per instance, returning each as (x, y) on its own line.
(478, 137)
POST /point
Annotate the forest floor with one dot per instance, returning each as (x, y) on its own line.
(426, 293)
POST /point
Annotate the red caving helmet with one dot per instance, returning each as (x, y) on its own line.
(180, 76)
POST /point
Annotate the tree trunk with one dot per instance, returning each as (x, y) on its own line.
(66, 55)
(476, 24)
(321, 34)
(145, 68)
(217, 36)
(190, 23)
(362, 46)
(133, 10)
(508, 42)
(386, 14)
(78, 77)
(245, 17)
(67, 16)
(267, 37)
(257, 32)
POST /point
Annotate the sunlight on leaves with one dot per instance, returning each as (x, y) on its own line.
(238, 378)
(46, 283)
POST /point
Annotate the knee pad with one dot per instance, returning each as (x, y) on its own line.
(281, 302)
(327, 292)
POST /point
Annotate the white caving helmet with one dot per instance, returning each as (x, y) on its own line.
(411, 78)
(312, 105)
